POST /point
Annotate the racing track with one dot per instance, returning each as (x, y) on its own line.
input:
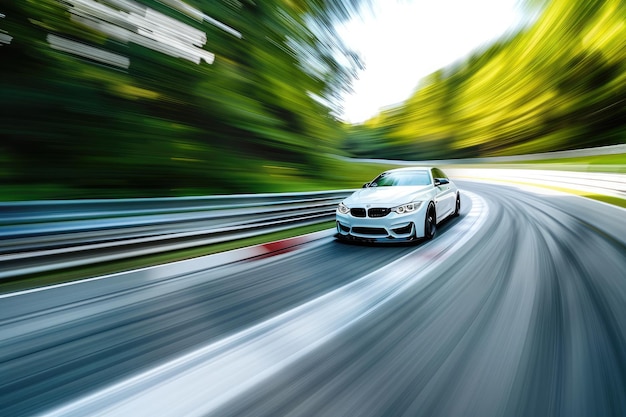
(517, 308)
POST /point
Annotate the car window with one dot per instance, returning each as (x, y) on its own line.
(401, 178)
(437, 173)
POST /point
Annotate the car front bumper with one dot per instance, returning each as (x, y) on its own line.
(393, 227)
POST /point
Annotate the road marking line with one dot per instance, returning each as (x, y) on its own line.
(185, 266)
(199, 382)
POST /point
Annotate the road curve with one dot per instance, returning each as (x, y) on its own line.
(517, 308)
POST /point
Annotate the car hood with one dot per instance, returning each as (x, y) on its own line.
(386, 196)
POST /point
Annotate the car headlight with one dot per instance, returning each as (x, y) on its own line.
(343, 209)
(407, 208)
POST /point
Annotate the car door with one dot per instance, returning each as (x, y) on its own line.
(445, 198)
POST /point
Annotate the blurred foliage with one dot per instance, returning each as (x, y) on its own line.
(78, 123)
(91, 107)
(559, 84)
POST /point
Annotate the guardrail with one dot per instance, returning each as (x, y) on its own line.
(43, 236)
(608, 184)
(575, 153)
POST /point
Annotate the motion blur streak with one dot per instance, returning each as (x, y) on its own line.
(198, 15)
(209, 377)
(143, 26)
(5, 38)
(78, 48)
(530, 320)
(526, 316)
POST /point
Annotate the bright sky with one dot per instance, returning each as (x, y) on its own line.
(403, 41)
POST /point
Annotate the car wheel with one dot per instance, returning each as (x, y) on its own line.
(430, 224)
(457, 209)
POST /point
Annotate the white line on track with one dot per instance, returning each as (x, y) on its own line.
(161, 272)
(199, 382)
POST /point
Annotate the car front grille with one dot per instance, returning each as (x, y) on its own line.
(357, 212)
(373, 212)
(378, 212)
(369, 231)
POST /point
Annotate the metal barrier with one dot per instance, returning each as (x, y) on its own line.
(43, 236)
(609, 184)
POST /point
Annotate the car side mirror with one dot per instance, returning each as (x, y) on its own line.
(367, 184)
(441, 181)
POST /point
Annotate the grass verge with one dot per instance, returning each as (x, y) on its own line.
(25, 282)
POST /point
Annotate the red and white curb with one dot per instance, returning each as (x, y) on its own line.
(138, 277)
(211, 376)
(266, 250)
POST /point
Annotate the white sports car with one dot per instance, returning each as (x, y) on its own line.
(399, 204)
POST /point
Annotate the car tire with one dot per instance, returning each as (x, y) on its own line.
(457, 208)
(430, 222)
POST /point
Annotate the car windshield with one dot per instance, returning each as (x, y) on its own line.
(387, 179)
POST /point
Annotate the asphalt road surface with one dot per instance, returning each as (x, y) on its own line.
(516, 308)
